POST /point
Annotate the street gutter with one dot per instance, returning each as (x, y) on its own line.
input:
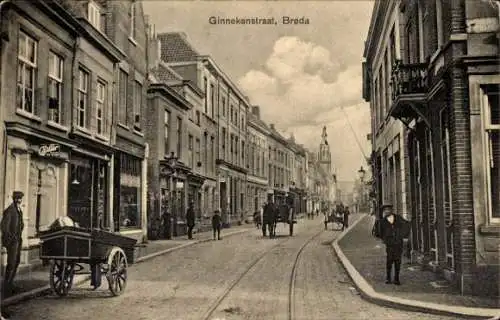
(368, 293)
(79, 279)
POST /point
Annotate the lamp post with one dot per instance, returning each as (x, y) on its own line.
(361, 175)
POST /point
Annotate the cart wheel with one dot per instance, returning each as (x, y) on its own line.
(61, 277)
(291, 229)
(117, 271)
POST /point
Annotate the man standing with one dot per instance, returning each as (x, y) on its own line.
(268, 218)
(216, 223)
(346, 213)
(190, 217)
(12, 228)
(394, 229)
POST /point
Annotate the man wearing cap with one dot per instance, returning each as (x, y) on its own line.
(216, 223)
(393, 230)
(190, 219)
(12, 227)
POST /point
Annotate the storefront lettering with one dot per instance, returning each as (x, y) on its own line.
(49, 150)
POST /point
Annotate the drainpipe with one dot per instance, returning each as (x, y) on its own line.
(4, 134)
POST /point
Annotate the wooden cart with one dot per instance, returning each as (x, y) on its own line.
(68, 248)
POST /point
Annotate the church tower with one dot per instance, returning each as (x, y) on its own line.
(324, 155)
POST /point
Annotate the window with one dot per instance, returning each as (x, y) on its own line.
(130, 191)
(190, 151)
(205, 147)
(26, 73)
(232, 112)
(223, 143)
(212, 154)
(122, 97)
(137, 105)
(55, 87)
(167, 128)
(205, 86)
(439, 23)
(491, 118)
(197, 151)
(212, 100)
(179, 136)
(101, 107)
(198, 117)
(133, 27)
(223, 107)
(94, 15)
(82, 96)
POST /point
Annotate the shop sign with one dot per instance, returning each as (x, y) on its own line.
(49, 150)
(179, 184)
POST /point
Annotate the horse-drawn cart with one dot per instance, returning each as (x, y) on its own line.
(68, 247)
(336, 218)
(286, 215)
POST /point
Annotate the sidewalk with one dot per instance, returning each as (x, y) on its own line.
(35, 282)
(363, 256)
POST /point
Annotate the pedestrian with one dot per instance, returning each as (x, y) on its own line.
(190, 217)
(268, 217)
(12, 228)
(394, 229)
(167, 222)
(346, 212)
(216, 223)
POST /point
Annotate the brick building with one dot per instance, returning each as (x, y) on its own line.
(257, 161)
(125, 24)
(57, 117)
(223, 126)
(444, 89)
(173, 132)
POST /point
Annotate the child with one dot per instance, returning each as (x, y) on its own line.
(216, 223)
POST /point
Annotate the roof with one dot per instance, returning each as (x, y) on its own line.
(175, 47)
(164, 73)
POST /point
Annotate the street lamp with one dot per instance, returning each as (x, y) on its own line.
(361, 173)
(171, 163)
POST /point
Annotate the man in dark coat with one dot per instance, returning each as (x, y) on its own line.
(12, 228)
(216, 223)
(166, 222)
(346, 214)
(394, 229)
(268, 218)
(190, 217)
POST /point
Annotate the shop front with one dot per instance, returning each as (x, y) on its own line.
(195, 183)
(37, 166)
(88, 185)
(128, 217)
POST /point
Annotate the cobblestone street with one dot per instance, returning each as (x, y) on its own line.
(240, 277)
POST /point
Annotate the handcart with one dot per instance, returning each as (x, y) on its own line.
(67, 248)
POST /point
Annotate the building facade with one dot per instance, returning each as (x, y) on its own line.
(57, 117)
(445, 91)
(257, 161)
(279, 166)
(382, 49)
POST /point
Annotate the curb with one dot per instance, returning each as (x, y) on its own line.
(368, 293)
(162, 252)
(79, 279)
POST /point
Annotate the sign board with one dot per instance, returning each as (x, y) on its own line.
(179, 185)
(49, 150)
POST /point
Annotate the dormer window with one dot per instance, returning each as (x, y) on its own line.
(94, 15)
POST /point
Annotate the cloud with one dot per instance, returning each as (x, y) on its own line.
(301, 88)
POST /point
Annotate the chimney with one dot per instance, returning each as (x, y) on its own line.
(272, 126)
(256, 111)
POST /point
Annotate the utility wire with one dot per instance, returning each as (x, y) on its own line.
(354, 134)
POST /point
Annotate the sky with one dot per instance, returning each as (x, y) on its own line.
(302, 76)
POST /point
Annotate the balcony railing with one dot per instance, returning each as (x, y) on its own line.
(408, 79)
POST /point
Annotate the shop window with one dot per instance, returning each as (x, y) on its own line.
(491, 124)
(130, 191)
(42, 198)
(27, 59)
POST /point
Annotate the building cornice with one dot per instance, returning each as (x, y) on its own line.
(171, 94)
